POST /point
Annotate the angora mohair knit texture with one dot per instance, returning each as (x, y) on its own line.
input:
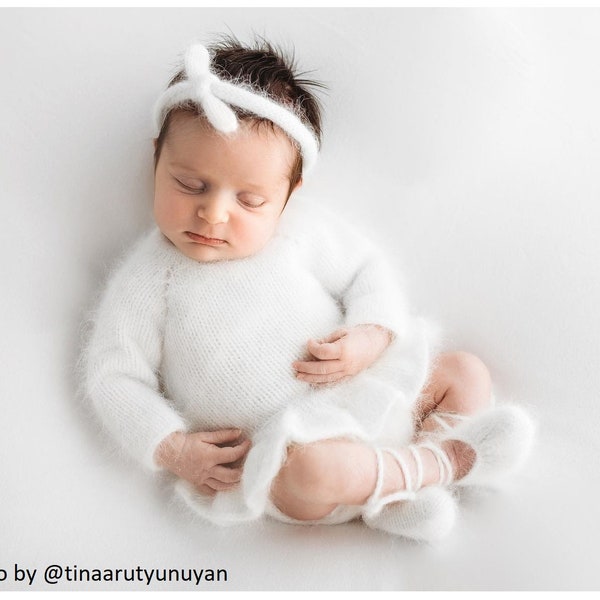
(189, 346)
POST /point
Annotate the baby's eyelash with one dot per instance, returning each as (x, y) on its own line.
(188, 188)
(252, 204)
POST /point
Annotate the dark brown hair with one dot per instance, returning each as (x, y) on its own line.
(267, 70)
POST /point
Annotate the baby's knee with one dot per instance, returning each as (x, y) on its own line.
(307, 472)
(469, 374)
(466, 365)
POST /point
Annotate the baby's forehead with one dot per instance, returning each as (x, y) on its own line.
(191, 137)
(185, 122)
(251, 159)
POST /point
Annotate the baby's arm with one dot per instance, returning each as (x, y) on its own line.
(359, 277)
(124, 353)
(122, 364)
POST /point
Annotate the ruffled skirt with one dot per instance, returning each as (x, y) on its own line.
(374, 407)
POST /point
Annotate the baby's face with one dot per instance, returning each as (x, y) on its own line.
(220, 197)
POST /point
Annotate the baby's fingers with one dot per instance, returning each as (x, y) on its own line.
(327, 378)
(230, 454)
(225, 474)
(317, 367)
(221, 436)
(325, 350)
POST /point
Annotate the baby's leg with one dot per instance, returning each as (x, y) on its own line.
(460, 384)
(317, 477)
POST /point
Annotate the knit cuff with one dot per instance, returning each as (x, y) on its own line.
(137, 417)
(148, 460)
(366, 313)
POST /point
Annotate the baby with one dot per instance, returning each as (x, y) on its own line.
(263, 352)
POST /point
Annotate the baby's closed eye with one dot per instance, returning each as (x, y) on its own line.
(251, 200)
(195, 186)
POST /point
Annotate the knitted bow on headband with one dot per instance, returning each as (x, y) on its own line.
(215, 97)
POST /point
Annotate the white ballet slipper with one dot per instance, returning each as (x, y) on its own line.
(501, 437)
(426, 514)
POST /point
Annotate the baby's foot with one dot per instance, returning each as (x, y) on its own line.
(461, 457)
(400, 507)
(488, 446)
(429, 516)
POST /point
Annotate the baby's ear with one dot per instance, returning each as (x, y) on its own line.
(298, 185)
(155, 142)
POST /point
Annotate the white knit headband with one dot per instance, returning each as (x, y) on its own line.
(214, 95)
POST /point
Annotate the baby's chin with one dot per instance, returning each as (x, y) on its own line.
(205, 253)
(208, 254)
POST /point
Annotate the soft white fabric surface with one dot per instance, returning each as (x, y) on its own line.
(465, 141)
(179, 345)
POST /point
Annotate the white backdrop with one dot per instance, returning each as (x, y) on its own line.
(466, 141)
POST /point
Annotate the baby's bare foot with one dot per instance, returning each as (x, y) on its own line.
(461, 457)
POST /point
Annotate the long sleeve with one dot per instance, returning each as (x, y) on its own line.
(354, 271)
(123, 356)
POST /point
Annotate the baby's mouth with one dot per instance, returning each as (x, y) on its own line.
(201, 239)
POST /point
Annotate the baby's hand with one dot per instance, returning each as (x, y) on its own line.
(342, 354)
(210, 460)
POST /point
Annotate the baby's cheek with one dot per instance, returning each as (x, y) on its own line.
(254, 236)
(163, 216)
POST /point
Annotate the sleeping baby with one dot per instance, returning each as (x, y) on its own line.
(260, 349)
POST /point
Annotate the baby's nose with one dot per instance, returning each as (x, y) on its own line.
(214, 210)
